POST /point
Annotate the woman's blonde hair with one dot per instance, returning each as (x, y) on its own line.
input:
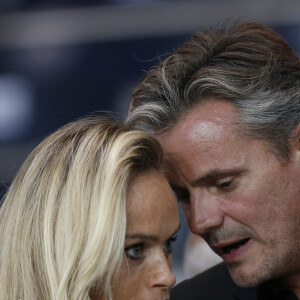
(63, 220)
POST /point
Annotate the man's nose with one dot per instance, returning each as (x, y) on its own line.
(204, 214)
(161, 275)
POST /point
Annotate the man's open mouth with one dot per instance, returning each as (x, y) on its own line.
(232, 247)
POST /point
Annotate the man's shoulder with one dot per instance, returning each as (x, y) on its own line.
(214, 284)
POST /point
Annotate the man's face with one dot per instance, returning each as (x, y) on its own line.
(235, 193)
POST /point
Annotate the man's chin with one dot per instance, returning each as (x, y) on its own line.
(246, 278)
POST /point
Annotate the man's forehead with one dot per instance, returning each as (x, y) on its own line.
(198, 143)
(204, 122)
(184, 141)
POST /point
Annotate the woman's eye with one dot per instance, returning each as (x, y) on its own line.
(135, 251)
(168, 245)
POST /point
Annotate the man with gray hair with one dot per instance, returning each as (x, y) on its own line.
(226, 108)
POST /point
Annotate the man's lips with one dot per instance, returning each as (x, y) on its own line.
(225, 247)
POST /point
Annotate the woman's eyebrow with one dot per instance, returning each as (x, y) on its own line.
(141, 236)
(148, 236)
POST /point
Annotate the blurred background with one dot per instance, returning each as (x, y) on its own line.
(62, 59)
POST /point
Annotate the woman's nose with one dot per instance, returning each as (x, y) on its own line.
(162, 275)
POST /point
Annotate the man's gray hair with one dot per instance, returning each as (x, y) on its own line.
(248, 64)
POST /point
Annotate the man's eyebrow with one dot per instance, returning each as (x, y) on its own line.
(150, 237)
(214, 174)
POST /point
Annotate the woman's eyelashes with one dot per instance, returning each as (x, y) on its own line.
(168, 245)
(137, 251)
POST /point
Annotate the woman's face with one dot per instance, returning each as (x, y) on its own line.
(152, 223)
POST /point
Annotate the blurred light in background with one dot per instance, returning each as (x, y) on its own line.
(16, 108)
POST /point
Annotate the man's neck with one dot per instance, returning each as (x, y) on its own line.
(293, 283)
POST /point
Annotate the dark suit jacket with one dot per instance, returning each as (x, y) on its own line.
(213, 284)
(216, 284)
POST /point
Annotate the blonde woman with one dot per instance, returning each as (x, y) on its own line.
(89, 216)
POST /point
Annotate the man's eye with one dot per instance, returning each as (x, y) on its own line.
(226, 185)
(168, 245)
(134, 252)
